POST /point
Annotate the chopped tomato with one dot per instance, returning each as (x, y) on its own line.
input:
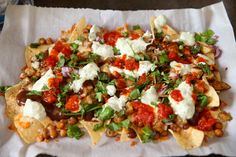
(206, 121)
(116, 74)
(176, 95)
(201, 86)
(134, 36)
(120, 62)
(58, 46)
(54, 53)
(142, 79)
(110, 38)
(120, 83)
(200, 59)
(131, 64)
(187, 51)
(190, 78)
(72, 103)
(50, 61)
(54, 82)
(49, 96)
(164, 111)
(143, 114)
(173, 55)
(66, 50)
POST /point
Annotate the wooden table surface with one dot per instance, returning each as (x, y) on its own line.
(230, 5)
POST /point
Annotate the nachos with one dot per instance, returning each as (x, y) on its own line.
(126, 83)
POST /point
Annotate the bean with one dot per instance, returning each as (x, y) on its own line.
(164, 133)
(44, 133)
(88, 116)
(110, 133)
(131, 133)
(60, 125)
(53, 133)
(63, 133)
(218, 125)
(42, 41)
(218, 132)
(49, 41)
(72, 120)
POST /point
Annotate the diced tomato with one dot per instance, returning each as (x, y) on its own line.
(120, 83)
(54, 53)
(190, 78)
(173, 55)
(164, 111)
(131, 64)
(72, 103)
(200, 59)
(201, 86)
(142, 79)
(176, 95)
(116, 75)
(187, 51)
(126, 91)
(50, 61)
(49, 96)
(194, 96)
(134, 36)
(58, 46)
(110, 38)
(66, 50)
(206, 121)
(54, 82)
(143, 114)
(119, 62)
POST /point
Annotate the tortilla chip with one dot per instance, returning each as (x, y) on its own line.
(95, 135)
(189, 138)
(124, 136)
(31, 52)
(214, 97)
(12, 108)
(30, 133)
(206, 48)
(78, 30)
(167, 30)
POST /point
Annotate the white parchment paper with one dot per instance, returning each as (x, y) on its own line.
(25, 24)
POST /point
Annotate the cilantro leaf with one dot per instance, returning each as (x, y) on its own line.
(170, 118)
(74, 131)
(61, 61)
(106, 113)
(206, 37)
(163, 58)
(98, 126)
(40, 56)
(134, 94)
(4, 88)
(205, 68)
(147, 134)
(203, 100)
(34, 92)
(34, 45)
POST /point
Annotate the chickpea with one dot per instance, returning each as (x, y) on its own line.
(218, 125)
(63, 133)
(23, 75)
(29, 71)
(175, 128)
(49, 41)
(53, 133)
(110, 133)
(42, 41)
(60, 125)
(224, 116)
(164, 133)
(39, 138)
(44, 133)
(72, 120)
(218, 132)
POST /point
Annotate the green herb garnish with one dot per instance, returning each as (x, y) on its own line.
(40, 56)
(34, 45)
(74, 131)
(135, 27)
(34, 92)
(205, 68)
(147, 134)
(134, 94)
(106, 113)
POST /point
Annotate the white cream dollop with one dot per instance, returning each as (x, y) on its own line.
(34, 109)
(180, 68)
(103, 50)
(187, 38)
(111, 90)
(93, 33)
(130, 47)
(159, 22)
(116, 103)
(88, 72)
(185, 108)
(43, 81)
(149, 96)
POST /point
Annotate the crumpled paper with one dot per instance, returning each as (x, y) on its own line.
(25, 24)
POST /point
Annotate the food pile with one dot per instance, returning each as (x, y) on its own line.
(126, 83)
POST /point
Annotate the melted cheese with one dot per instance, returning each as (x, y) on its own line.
(88, 72)
(185, 108)
(103, 50)
(149, 96)
(187, 38)
(34, 109)
(117, 104)
(180, 68)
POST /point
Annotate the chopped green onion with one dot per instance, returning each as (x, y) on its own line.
(34, 92)
(135, 27)
(74, 131)
(34, 45)
(40, 56)
(134, 94)
(106, 113)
